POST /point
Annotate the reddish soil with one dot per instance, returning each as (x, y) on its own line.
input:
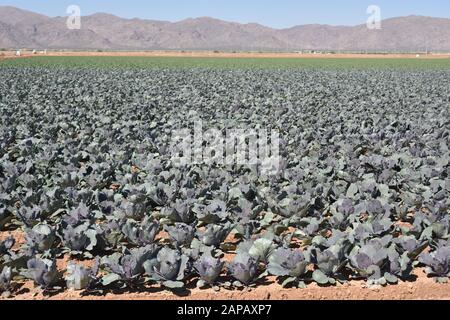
(18, 235)
(206, 54)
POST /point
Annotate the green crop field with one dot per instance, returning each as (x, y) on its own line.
(227, 63)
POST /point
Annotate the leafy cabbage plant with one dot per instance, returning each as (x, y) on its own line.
(181, 234)
(126, 268)
(169, 268)
(43, 272)
(80, 278)
(79, 240)
(141, 234)
(40, 238)
(369, 261)
(261, 249)
(5, 280)
(209, 269)
(329, 263)
(437, 264)
(6, 245)
(215, 234)
(244, 268)
(288, 264)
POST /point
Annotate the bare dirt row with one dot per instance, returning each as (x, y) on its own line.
(211, 54)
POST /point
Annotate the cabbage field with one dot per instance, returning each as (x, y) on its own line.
(91, 200)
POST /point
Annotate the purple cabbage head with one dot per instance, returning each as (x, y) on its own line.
(209, 268)
(244, 268)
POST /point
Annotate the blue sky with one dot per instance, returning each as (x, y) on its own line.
(274, 13)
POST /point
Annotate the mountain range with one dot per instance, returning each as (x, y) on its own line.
(24, 29)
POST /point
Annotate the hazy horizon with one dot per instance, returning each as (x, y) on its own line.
(279, 15)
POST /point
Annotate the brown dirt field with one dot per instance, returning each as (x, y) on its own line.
(18, 235)
(420, 288)
(210, 54)
(7, 54)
